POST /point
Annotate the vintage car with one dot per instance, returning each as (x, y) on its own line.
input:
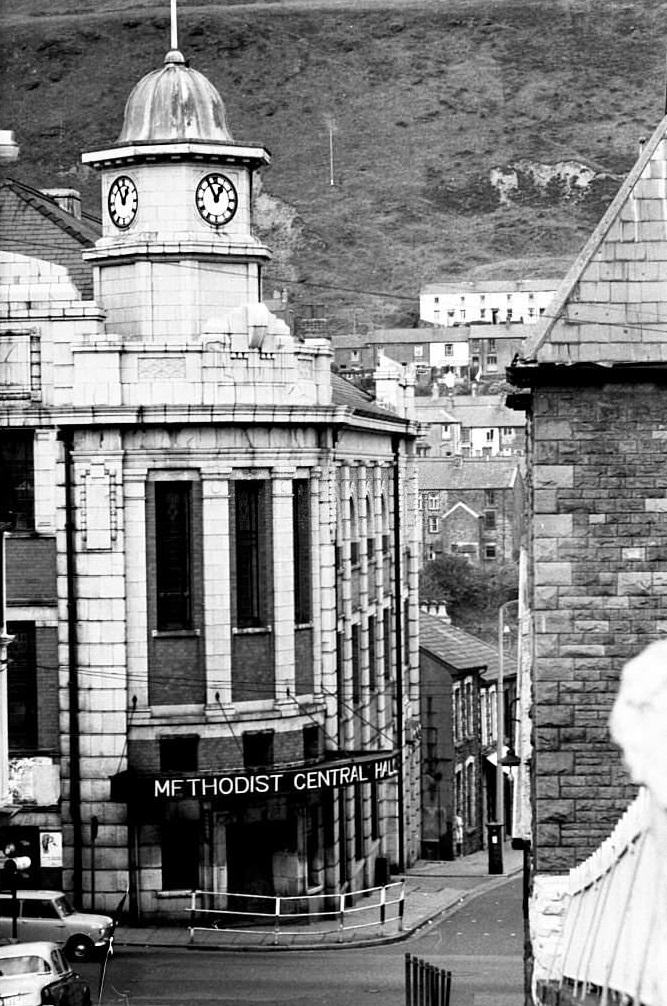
(32, 974)
(48, 915)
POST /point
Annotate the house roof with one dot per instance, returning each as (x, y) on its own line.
(453, 646)
(611, 308)
(348, 395)
(468, 415)
(401, 337)
(515, 331)
(466, 473)
(463, 286)
(33, 224)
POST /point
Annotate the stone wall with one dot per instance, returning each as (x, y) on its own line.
(599, 569)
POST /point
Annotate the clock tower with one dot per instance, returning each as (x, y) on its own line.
(177, 247)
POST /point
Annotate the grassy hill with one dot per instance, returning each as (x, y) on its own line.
(427, 99)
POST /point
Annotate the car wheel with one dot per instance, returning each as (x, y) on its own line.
(78, 948)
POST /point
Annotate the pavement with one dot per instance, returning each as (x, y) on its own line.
(433, 890)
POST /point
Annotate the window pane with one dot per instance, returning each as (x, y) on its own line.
(22, 686)
(301, 522)
(372, 677)
(248, 596)
(17, 479)
(172, 555)
(356, 691)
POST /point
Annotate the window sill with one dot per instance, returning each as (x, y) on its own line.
(303, 625)
(175, 633)
(185, 893)
(252, 630)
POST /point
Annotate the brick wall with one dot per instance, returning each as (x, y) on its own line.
(218, 754)
(46, 653)
(599, 569)
(31, 570)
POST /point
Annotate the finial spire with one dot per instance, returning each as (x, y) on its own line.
(174, 26)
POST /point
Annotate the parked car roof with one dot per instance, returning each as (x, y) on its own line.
(37, 948)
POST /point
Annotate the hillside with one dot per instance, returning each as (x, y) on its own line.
(467, 133)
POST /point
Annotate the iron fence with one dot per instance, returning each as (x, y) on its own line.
(325, 914)
(426, 984)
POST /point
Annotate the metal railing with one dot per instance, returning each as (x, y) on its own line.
(614, 935)
(425, 984)
(325, 914)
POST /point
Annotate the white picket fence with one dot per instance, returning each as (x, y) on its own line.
(616, 921)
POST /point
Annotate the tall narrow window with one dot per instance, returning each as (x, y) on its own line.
(386, 630)
(301, 543)
(471, 815)
(17, 481)
(22, 687)
(248, 592)
(354, 534)
(172, 555)
(372, 676)
(358, 821)
(356, 683)
(370, 529)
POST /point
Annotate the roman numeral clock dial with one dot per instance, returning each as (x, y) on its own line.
(216, 199)
(123, 201)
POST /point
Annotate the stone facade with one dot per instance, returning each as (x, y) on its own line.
(232, 546)
(592, 381)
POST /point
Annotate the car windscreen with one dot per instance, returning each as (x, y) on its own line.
(63, 906)
(28, 965)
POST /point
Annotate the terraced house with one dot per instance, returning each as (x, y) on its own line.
(211, 564)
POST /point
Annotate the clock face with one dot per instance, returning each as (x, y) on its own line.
(123, 200)
(217, 199)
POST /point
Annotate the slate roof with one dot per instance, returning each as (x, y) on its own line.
(466, 473)
(470, 415)
(490, 285)
(611, 308)
(401, 336)
(348, 395)
(459, 649)
(33, 224)
(515, 331)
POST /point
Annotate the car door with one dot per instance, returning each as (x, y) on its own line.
(5, 917)
(39, 920)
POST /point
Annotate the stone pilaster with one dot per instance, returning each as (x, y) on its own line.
(217, 608)
(283, 584)
(45, 452)
(136, 585)
(316, 563)
(328, 521)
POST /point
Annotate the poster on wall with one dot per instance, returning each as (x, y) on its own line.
(51, 848)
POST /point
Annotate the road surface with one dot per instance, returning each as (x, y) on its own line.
(481, 944)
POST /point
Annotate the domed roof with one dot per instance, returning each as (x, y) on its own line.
(174, 103)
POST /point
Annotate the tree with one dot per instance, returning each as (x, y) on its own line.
(472, 594)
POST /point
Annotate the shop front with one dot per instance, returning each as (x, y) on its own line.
(284, 832)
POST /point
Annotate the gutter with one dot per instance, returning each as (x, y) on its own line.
(73, 678)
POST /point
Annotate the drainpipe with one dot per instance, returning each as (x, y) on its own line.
(398, 594)
(73, 679)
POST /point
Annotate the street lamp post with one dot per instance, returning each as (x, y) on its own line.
(497, 865)
(5, 640)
